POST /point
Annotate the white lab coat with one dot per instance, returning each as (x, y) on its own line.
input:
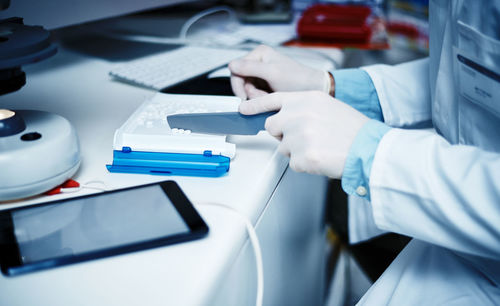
(441, 187)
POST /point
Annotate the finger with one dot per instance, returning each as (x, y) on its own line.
(295, 164)
(270, 102)
(274, 126)
(283, 149)
(238, 86)
(253, 92)
(250, 68)
(260, 53)
(286, 148)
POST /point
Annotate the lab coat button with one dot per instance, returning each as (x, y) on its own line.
(361, 191)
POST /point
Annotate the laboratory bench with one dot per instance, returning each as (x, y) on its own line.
(287, 209)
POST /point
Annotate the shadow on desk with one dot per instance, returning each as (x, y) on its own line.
(113, 49)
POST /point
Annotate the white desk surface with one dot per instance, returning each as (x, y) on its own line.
(79, 88)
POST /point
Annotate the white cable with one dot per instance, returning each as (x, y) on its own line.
(182, 38)
(87, 185)
(169, 40)
(195, 18)
(252, 234)
(254, 240)
(150, 39)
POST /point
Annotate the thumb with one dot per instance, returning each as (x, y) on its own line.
(267, 103)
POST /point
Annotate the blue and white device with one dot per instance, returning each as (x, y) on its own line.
(146, 143)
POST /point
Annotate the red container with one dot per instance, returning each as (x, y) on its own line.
(335, 22)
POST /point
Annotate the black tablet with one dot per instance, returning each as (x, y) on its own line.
(94, 226)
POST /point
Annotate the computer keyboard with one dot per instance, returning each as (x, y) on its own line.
(160, 71)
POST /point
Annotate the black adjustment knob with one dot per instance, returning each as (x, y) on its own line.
(10, 123)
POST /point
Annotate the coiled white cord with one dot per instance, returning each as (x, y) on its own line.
(195, 18)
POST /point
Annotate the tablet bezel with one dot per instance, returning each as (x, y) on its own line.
(10, 258)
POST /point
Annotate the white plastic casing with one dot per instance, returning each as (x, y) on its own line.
(31, 167)
(147, 128)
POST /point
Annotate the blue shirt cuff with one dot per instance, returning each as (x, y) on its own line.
(355, 87)
(356, 175)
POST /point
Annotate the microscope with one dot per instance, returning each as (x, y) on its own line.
(38, 150)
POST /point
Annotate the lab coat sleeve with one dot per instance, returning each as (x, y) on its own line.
(448, 195)
(403, 92)
(355, 87)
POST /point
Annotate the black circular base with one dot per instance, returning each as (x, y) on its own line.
(20, 45)
(11, 80)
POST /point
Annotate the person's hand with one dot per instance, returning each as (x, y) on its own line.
(264, 70)
(316, 130)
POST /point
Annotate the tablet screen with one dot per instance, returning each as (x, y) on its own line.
(94, 223)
